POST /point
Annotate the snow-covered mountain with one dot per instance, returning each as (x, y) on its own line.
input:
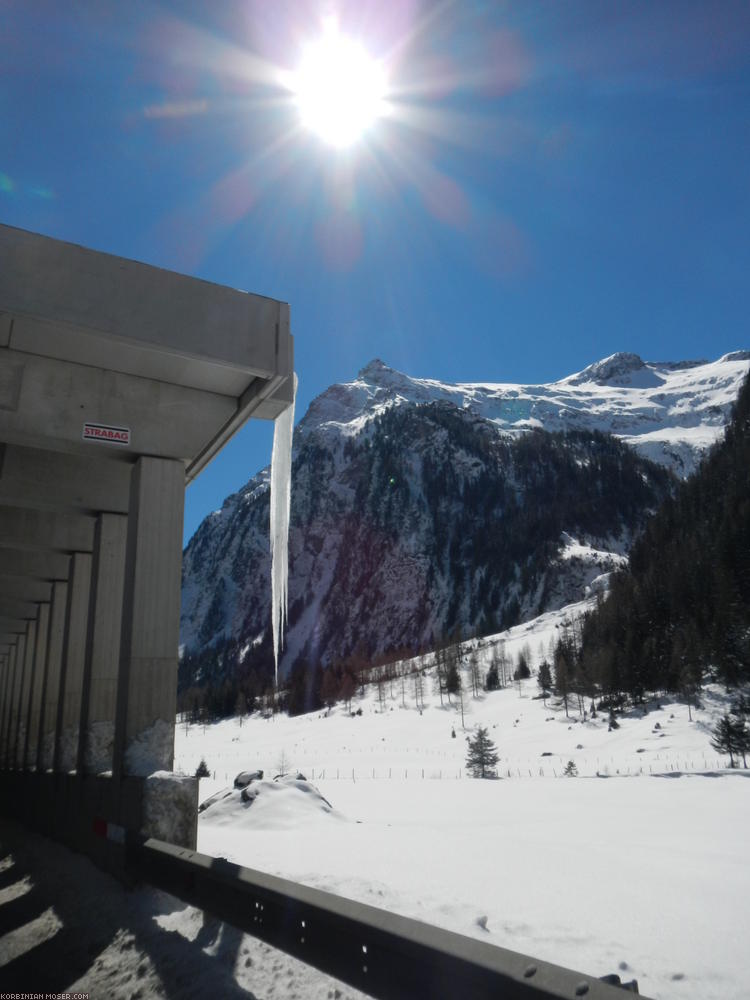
(669, 411)
(422, 508)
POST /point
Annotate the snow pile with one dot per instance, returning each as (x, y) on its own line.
(286, 803)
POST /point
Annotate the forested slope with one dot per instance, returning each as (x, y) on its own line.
(682, 609)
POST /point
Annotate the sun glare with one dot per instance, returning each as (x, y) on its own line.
(339, 88)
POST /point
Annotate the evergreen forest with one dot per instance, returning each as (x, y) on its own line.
(680, 614)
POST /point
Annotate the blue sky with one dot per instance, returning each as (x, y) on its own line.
(556, 181)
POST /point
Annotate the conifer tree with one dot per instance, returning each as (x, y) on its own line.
(482, 755)
(728, 737)
(492, 683)
(740, 712)
(544, 679)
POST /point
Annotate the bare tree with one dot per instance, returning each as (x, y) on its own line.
(380, 679)
(460, 693)
(419, 690)
(440, 669)
(474, 672)
(347, 690)
(282, 763)
(503, 664)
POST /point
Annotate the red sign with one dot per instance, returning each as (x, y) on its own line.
(105, 434)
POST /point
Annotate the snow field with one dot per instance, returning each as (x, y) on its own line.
(645, 877)
(635, 873)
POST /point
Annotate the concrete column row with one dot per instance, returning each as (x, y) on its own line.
(88, 678)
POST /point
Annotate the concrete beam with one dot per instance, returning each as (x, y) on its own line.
(256, 401)
(40, 531)
(13, 626)
(146, 314)
(17, 609)
(57, 398)
(49, 480)
(20, 588)
(34, 565)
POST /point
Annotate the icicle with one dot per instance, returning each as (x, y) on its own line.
(281, 492)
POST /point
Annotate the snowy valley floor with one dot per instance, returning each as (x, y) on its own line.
(641, 870)
(643, 873)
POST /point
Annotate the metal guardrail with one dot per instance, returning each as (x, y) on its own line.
(384, 955)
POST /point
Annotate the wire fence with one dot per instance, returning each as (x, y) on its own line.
(559, 768)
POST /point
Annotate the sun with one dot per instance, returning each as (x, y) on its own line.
(339, 88)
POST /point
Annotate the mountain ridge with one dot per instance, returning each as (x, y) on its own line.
(421, 507)
(643, 403)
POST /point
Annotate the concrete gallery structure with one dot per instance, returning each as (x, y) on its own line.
(118, 383)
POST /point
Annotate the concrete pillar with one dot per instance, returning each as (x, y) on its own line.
(31, 749)
(103, 645)
(8, 691)
(147, 680)
(25, 699)
(71, 668)
(15, 697)
(4, 687)
(51, 692)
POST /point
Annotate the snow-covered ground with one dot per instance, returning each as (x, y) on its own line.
(641, 870)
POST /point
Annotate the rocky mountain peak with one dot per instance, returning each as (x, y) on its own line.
(618, 367)
(375, 370)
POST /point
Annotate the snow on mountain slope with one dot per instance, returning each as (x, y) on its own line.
(640, 871)
(420, 507)
(669, 411)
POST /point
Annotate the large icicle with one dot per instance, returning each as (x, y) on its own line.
(281, 493)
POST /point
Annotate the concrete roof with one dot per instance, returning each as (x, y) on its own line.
(90, 339)
(102, 361)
